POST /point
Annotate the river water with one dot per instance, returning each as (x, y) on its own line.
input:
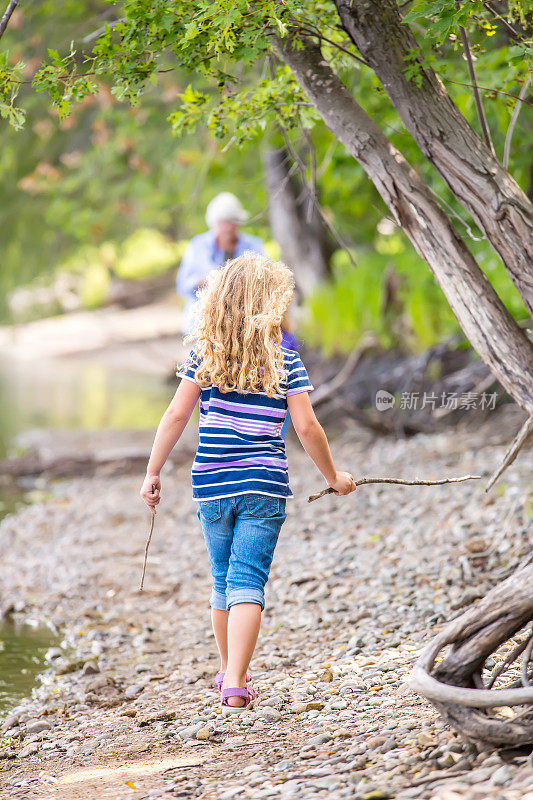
(22, 658)
(73, 394)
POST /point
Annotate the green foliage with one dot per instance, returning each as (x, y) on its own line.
(95, 285)
(96, 159)
(10, 78)
(245, 115)
(145, 253)
(339, 313)
(61, 80)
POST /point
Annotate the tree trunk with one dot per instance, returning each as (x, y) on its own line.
(492, 331)
(296, 223)
(477, 179)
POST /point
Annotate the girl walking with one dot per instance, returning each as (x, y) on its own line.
(245, 381)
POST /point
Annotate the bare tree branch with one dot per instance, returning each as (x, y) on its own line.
(514, 448)
(512, 123)
(509, 28)
(7, 16)
(95, 34)
(321, 37)
(487, 89)
(477, 96)
(301, 166)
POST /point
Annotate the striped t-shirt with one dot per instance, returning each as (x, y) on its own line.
(240, 448)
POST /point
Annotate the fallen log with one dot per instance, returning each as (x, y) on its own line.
(456, 686)
(65, 453)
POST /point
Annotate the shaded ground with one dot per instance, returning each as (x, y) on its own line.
(358, 585)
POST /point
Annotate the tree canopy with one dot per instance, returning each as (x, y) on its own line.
(216, 71)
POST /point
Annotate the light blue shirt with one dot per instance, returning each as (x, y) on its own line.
(201, 256)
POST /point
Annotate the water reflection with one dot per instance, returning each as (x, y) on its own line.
(85, 394)
(22, 658)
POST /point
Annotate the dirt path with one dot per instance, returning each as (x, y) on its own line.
(358, 585)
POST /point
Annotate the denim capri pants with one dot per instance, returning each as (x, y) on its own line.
(241, 533)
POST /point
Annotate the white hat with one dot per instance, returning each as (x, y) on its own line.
(225, 206)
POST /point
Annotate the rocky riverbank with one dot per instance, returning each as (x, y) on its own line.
(358, 585)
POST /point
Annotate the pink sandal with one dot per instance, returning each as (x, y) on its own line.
(238, 691)
(219, 677)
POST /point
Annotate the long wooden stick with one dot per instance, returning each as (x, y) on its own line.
(147, 545)
(415, 482)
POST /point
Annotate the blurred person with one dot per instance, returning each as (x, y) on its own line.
(207, 251)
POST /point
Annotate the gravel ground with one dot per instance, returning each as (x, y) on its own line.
(359, 584)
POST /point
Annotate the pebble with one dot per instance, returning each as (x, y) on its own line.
(426, 740)
(90, 668)
(375, 741)
(321, 738)
(37, 726)
(342, 733)
(314, 705)
(339, 705)
(298, 708)
(501, 776)
(13, 733)
(133, 691)
(29, 750)
(283, 766)
(190, 731)
(231, 792)
(11, 721)
(269, 714)
(97, 684)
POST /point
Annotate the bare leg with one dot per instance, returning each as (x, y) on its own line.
(219, 621)
(243, 629)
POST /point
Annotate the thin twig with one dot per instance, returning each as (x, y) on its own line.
(320, 36)
(504, 22)
(7, 16)
(95, 34)
(327, 389)
(477, 96)
(456, 215)
(488, 89)
(312, 157)
(512, 123)
(296, 158)
(147, 545)
(526, 659)
(415, 482)
(513, 450)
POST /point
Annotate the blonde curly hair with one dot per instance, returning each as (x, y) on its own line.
(237, 330)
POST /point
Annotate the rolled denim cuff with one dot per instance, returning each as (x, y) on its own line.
(218, 600)
(246, 594)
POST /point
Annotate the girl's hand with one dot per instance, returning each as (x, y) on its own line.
(343, 483)
(151, 498)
